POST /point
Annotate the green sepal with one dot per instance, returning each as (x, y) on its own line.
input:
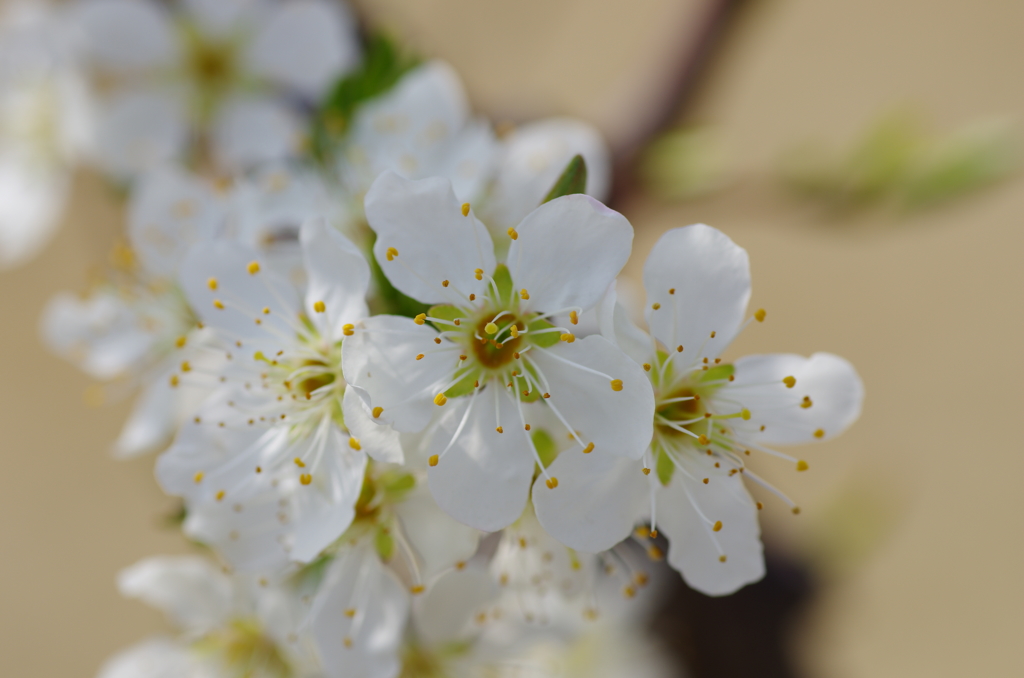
(542, 340)
(503, 281)
(545, 444)
(396, 485)
(468, 377)
(446, 312)
(572, 180)
(664, 467)
(718, 372)
(384, 543)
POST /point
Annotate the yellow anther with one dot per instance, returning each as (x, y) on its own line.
(180, 342)
(512, 233)
(212, 283)
(806, 402)
(472, 297)
(760, 506)
(415, 590)
(433, 460)
(589, 448)
(198, 477)
(722, 558)
(491, 328)
(655, 553)
(643, 531)
(420, 319)
(574, 317)
(457, 322)
(795, 510)
(348, 329)
(647, 471)
(706, 481)
(440, 399)
(802, 465)
(185, 367)
(220, 495)
(547, 395)
(463, 356)
(437, 340)
(760, 314)
(253, 267)
(218, 304)
(790, 382)
(299, 462)
(527, 427)
(568, 337)
(514, 329)
(350, 612)
(655, 306)
(703, 439)
(347, 641)
(500, 430)
(629, 591)
(640, 578)
(745, 414)
(820, 433)
(390, 253)
(616, 384)
(478, 273)
(419, 356)
(465, 209)
(717, 526)
(377, 411)
(258, 355)
(319, 306)
(354, 444)
(647, 367)
(461, 565)
(671, 290)
(174, 380)
(551, 482)
(305, 479)
(444, 283)
(713, 333)
(679, 348)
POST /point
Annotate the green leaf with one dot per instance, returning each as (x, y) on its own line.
(503, 280)
(664, 467)
(718, 372)
(384, 543)
(572, 180)
(544, 340)
(545, 444)
(468, 377)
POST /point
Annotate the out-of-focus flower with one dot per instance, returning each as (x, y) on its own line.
(45, 125)
(496, 356)
(709, 416)
(226, 73)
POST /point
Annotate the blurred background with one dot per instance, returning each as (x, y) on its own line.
(861, 151)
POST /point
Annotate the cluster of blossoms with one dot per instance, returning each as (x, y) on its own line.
(392, 383)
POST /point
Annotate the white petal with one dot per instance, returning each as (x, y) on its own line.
(338, 276)
(532, 159)
(446, 612)
(31, 201)
(597, 503)
(244, 296)
(127, 35)
(379, 361)
(694, 547)
(170, 211)
(466, 160)
(155, 658)
(358, 581)
(152, 421)
(711, 278)
(568, 251)
(617, 422)
(423, 221)
(220, 18)
(835, 390)
(140, 129)
(380, 441)
(483, 480)
(439, 541)
(304, 44)
(250, 130)
(617, 327)
(192, 591)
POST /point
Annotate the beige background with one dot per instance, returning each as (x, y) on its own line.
(915, 516)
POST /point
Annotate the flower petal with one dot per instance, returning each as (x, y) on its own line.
(126, 35)
(597, 503)
(534, 156)
(483, 479)
(379, 361)
(155, 658)
(139, 129)
(220, 18)
(251, 129)
(365, 644)
(695, 549)
(153, 419)
(170, 211)
(618, 422)
(617, 327)
(423, 222)
(711, 278)
(380, 441)
(446, 612)
(305, 45)
(568, 251)
(338, 278)
(830, 383)
(194, 594)
(31, 201)
(438, 540)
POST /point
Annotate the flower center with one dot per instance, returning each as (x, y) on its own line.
(246, 651)
(495, 351)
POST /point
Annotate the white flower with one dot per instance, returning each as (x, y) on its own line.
(44, 126)
(497, 359)
(227, 625)
(272, 442)
(136, 325)
(215, 69)
(709, 417)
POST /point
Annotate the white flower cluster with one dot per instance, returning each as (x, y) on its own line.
(404, 407)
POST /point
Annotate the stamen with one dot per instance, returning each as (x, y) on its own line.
(512, 233)
(790, 382)
(390, 253)
(253, 267)
(465, 209)
(319, 306)
(212, 283)
(574, 317)
(760, 315)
